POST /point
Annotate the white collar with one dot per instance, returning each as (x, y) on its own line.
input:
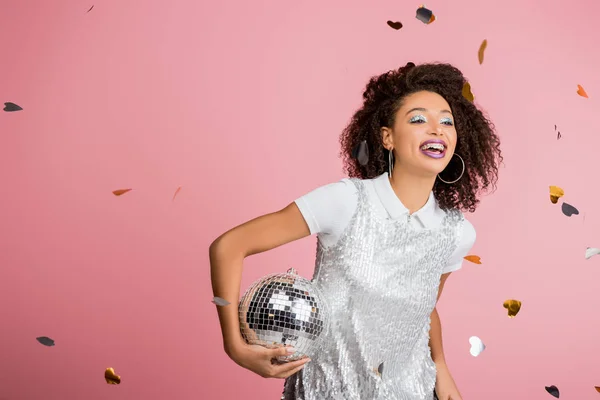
(427, 214)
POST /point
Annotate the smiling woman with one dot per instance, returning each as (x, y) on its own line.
(388, 238)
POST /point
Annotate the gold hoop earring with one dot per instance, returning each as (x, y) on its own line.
(461, 174)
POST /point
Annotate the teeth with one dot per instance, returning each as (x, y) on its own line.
(436, 146)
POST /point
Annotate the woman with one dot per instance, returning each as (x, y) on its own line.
(388, 238)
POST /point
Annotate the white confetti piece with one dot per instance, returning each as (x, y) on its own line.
(477, 346)
(591, 252)
(219, 301)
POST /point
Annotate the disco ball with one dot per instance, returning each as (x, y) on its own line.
(284, 309)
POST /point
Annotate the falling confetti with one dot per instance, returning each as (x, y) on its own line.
(591, 252)
(569, 210)
(597, 388)
(177, 192)
(559, 135)
(553, 390)
(473, 259)
(425, 15)
(120, 192)
(482, 50)
(9, 107)
(397, 25)
(555, 194)
(46, 341)
(361, 153)
(477, 346)
(466, 92)
(111, 377)
(513, 307)
(90, 9)
(581, 91)
(220, 301)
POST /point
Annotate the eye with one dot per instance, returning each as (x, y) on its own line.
(417, 119)
(447, 121)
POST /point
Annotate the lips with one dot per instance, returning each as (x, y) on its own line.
(434, 148)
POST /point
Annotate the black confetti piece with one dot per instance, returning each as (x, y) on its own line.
(361, 153)
(380, 369)
(90, 9)
(9, 107)
(424, 15)
(395, 25)
(220, 301)
(569, 210)
(46, 341)
(553, 390)
(559, 135)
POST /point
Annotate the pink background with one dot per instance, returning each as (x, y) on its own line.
(241, 103)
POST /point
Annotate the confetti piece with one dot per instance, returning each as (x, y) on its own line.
(425, 15)
(569, 210)
(553, 390)
(591, 252)
(361, 153)
(220, 301)
(555, 194)
(559, 135)
(90, 9)
(513, 307)
(397, 25)
(597, 388)
(473, 259)
(380, 369)
(481, 51)
(9, 107)
(111, 377)
(466, 92)
(46, 341)
(581, 91)
(120, 192)
(477, 346)
(176, 192)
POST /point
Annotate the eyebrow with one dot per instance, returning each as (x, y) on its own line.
(424, 109)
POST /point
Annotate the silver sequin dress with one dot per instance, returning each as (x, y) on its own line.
(381, 281)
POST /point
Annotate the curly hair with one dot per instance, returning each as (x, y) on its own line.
(477, 143)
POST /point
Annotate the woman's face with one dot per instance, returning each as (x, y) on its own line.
(423, 136)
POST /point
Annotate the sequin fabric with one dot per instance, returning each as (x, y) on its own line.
(381, 281)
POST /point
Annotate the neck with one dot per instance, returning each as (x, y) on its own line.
(412, 190)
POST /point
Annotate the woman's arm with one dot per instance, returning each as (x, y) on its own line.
(227, 254)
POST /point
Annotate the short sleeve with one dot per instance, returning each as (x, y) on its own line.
(328, 209)
(467, 241)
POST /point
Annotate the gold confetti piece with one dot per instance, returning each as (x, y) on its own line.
(555, 194)
(220, 301)
(395, 24)
(581, 91)
(482, 50)
(513, 307)
(120, 192)
(111, 377)
(591, 252)
(477, 346)
(176, 192)
(466, 92)
(473, 259)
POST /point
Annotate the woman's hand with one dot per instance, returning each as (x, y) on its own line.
(263, 361)
(445, 388)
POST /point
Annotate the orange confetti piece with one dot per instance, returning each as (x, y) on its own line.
(555, 194)
(176, 192)
(111, 377)
(513, 307)
(466, 92)
(482, 50)
(120, 192)
(473, 259)
(597, 388)
(581, 91)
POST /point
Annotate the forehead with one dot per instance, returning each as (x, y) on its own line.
(425, 99)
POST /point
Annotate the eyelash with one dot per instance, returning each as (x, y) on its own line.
(420, 118)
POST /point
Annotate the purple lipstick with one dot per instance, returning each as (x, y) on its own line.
(433, 148)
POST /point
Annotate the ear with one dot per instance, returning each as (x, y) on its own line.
(387, 138)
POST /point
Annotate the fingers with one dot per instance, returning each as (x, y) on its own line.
(289, 369)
